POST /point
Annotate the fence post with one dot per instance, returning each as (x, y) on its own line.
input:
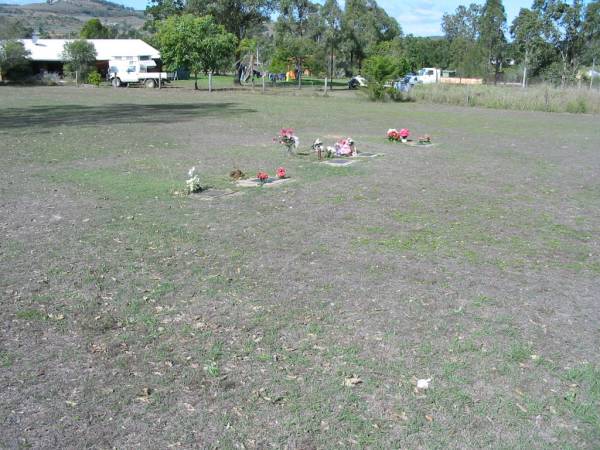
(159, 77)
(263, 82)
(77, 78)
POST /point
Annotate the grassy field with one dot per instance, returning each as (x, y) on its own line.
(226, 82)
(298, 316)
(534, 98)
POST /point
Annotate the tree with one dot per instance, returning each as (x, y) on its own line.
(217, 47)
(332, 14)
(80, 56)
(426, 52)
(196, 43)
(591, 29)
(239, 17)
(464, 23)
(364, 25)
(158, 10)
(462, 31)
(379, 69)
(526, 30)
(93, 29)
(14, 60)
(492, 25)
(563, 28)
(297, 33)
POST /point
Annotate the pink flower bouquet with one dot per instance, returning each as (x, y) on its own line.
(393, 135)
(404, 134)
(345, 147)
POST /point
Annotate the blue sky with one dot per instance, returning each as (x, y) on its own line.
(419, 17)
(423, 17)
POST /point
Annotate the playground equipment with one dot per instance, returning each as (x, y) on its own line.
(251, 67)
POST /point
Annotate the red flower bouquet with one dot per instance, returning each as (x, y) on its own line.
(288, 139)
(262, 177)
(281, 172)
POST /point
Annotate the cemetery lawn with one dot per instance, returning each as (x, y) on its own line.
(297, 316)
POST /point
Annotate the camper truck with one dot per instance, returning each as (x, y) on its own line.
(138, 70)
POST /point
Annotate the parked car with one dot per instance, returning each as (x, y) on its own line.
(406, 83)
(356, 82)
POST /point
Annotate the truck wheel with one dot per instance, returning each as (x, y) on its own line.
(116, 82)
(150, 83)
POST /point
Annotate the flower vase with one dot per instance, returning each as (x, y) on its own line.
(404, 140)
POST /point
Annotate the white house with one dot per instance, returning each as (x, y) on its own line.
(46, 54)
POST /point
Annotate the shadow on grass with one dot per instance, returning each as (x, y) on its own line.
(53, 115)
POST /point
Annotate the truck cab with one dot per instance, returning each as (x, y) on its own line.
(429, 75)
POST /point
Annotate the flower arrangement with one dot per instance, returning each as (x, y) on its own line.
(263, 177)
(281, 172)
(345, 147)
(288, 139)
(425, 139)
(404, 134)
(393, 135)
(193, 182)
(317, 147)
(237, 174)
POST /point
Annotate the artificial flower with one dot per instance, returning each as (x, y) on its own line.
(393, 134)
(281, 172)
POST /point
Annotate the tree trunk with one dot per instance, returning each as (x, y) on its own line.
(592, 73)
(195, 81)
(331, 66)
(563, 79)
(525, 70)
(237, 75)
(209, 81)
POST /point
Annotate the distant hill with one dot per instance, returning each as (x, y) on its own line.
(63, 18)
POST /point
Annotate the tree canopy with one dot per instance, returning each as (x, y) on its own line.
(80, 56)
(196, 43)
(14, 62)
(551, 40)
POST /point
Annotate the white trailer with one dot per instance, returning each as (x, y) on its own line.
(135, 70)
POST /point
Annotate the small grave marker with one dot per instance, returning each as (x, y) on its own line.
(255, 182)
(339, 162)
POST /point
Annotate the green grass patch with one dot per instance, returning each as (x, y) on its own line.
(121, 184)
(31, 314)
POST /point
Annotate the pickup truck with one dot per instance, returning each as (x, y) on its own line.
(122, 73)
(429, 75)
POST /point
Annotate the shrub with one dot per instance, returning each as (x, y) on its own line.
(94, 78)
(14, 60)
(577, 106)
(379, 69)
